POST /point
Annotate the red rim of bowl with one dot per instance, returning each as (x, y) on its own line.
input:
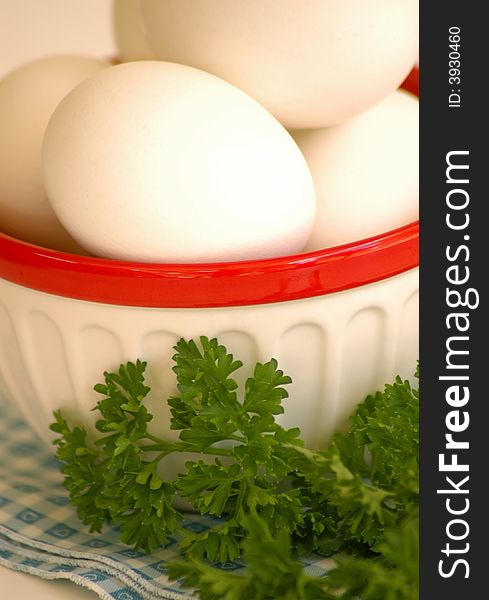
(217, 284)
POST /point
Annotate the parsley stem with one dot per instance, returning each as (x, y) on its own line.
(160, 457)
(168, 447)
(216, 451)
(158, 447)
(158, 440)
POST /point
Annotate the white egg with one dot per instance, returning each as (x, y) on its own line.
(160, 162)
(129, 33)
(28, 97)
(366, 172)
(311, 64)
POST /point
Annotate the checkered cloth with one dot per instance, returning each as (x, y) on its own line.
(41, 535)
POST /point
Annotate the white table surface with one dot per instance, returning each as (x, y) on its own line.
(30, 29)
(19, 586)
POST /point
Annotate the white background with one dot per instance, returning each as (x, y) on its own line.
(30, 29)
(33, 28)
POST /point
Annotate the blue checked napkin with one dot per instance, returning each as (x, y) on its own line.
(41, 535)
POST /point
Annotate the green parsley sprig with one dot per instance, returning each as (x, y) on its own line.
(276, 498)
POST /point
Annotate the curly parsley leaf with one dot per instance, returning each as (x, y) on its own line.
(275, 499)
(110, 480)
(82, 471)
(208, 412)
(367, 479)
(390, 575)
(272, 573)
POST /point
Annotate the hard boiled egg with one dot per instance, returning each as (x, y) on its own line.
(161, 162)
(365, 171)
(129, 33)
(28, 97)
(311, 64)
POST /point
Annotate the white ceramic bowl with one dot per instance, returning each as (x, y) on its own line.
(341, 323)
